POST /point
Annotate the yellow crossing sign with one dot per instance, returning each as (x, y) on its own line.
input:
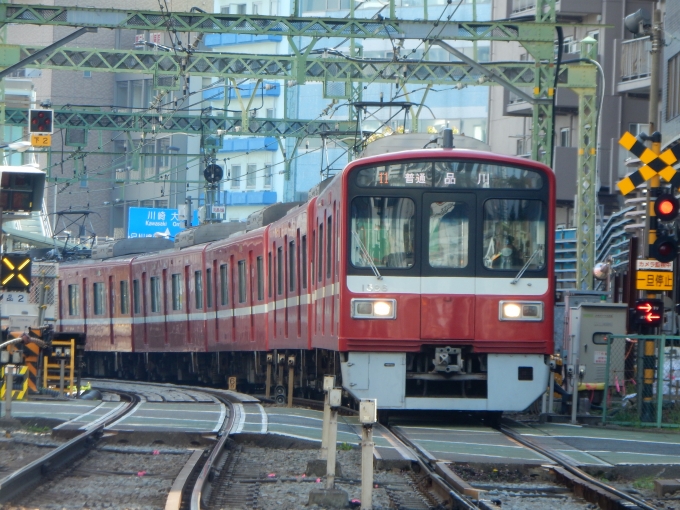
(654, 164)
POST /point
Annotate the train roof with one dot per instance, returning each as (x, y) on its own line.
(207, 233)
(137, 245)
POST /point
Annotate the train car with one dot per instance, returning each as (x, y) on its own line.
(421, 278)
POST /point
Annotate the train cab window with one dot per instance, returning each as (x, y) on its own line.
(449, 236)
(303, 241)
(382, 232)
(329, 247)
(224, 285)
(260, 278)
(74, 299)
(155, 294)
(99, 298)
(279, 270)
(176, 291)
(514, 234)
(136, 300)
(198, 289)
(241, 281)
(291, 266)
(208, 287)
(124, 298)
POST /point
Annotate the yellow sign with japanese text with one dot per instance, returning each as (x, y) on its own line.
(41, 140)
(654, 280)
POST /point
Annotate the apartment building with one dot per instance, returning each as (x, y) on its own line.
(623, 88)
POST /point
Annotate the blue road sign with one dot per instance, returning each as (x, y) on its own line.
(149, 222)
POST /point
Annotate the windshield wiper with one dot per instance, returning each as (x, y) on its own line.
(366, 255)
(526, 265)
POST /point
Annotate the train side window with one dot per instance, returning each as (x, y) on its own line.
(208, 287)
(177, 291)
(155, 294)
(269, 274)
(319, 254)
(198, 289)
(329, 247)
(124, 297)
(136, 302)
(260, 279)
(241, 281)
(224, 285)
(74, 299)
(303, 241)
(279, 271)
(98, 289)
(291, 266)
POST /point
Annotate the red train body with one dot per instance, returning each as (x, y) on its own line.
(421, 278)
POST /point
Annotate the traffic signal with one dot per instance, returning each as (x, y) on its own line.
(21, 188)
(648, 312)
(15, 271)
(666, 207)
(664, 249)
(41, 121)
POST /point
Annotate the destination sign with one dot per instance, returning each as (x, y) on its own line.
(448, 174)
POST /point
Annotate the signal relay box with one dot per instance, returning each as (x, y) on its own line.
(586, 344)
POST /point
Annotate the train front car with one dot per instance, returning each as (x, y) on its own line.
(447, 299)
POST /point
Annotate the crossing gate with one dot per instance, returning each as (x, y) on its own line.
(19, 383)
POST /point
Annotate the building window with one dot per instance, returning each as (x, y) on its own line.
(251, 176)
(99, 299)
(83, 179)
(237, 8)
(235, 176)
(673, 86)
(268, 176)
(224, 10)
(74, 299)
(176, 291)
(271, 113)
(636, 129)
(87, 74)
(241, 281)
(121, 99)
(256, 8)
(565, 137)
(520, 146)
(155, 294)
(224, 285)
(124, 298)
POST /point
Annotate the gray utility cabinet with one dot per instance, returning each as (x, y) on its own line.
(589, 324)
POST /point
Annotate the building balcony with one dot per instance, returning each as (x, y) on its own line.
(564, 8)
(269, 88)
(636, 65)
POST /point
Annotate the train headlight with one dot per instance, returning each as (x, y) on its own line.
(520, 311)
(374, 308)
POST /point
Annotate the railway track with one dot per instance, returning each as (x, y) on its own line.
(33, 473)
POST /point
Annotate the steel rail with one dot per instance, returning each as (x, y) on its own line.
(31, 474)
(579, 474)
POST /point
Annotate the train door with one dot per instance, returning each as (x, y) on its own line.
(448, 274)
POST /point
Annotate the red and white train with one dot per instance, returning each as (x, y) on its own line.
(421, 278)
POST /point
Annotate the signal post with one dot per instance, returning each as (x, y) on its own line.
(655, 272)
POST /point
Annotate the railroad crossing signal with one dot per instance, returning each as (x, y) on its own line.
(15, 271)
(654, 164)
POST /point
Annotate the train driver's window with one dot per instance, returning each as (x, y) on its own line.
(449, 237)
(382, 232)
(514, 234)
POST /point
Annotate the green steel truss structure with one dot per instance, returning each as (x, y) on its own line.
(306, 66)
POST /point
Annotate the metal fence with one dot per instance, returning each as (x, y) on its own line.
(642, 381)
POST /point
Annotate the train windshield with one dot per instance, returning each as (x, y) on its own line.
(383, 232)
(514, 234)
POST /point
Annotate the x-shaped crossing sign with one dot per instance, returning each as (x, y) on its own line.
(661, 164)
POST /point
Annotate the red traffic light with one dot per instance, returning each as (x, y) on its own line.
(664, 249)
(666, 207)
(648, 312)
